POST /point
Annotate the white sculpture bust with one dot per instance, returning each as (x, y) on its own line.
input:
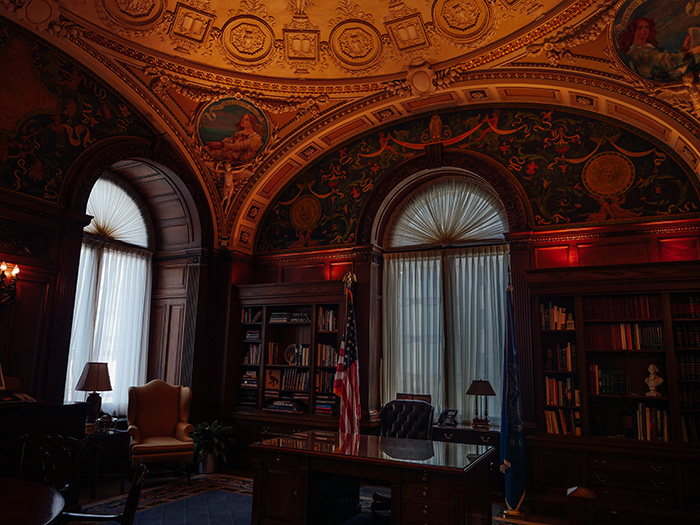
(653, 380)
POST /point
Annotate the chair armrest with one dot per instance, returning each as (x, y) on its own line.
(183, 431)
(77, 516)
(135, 434)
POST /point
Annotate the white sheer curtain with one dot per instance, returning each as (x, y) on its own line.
(444, 310)
(477, 279)
(112, 305)
(413, 326)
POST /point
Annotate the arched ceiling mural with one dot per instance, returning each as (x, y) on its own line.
(263, 95)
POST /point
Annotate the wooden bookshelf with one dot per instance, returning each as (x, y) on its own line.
(288, 355)
(597, 333)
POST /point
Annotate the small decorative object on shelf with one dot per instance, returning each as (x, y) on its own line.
(653, 381)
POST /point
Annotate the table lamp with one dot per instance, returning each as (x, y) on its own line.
(481, 388)
(95, 377)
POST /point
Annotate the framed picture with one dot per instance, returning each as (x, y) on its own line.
(448, 418)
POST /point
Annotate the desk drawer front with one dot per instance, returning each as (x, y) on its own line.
(638, 465)
(632, 480)
(428, 512)
(426, 493)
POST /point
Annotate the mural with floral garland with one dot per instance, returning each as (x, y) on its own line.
(43, 130)
(575, 169)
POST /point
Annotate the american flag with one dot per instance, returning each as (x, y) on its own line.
(347, 380)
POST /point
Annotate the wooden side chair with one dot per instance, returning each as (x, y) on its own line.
(56, 461)
(126, 516)
(158, 416)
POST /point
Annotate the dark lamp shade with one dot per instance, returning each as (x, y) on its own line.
(95, 378)
(481, 387)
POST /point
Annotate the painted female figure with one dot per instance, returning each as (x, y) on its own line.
(648, 59)
(244, 143)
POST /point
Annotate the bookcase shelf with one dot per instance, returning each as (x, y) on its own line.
(626, 322)
(289, 349)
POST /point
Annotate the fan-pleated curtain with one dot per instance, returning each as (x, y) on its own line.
(112, 306)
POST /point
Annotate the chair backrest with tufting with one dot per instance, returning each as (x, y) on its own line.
(407, 419)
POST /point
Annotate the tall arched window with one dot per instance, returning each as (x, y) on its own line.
(444, 291)
(110, 317)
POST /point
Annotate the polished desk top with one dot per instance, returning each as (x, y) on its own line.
(429, 454)
(28, 503)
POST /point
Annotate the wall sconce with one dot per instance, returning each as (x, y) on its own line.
(481, 388)
(8, 283)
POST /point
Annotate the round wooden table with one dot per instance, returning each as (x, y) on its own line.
(28, 503)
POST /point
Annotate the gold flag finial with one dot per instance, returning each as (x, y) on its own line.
(348, 279)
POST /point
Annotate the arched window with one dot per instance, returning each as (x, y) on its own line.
(110, 317)
(444, 291)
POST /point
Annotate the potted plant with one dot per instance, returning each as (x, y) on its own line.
(213, 442)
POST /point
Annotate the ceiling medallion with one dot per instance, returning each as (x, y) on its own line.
(408, 33)
(191, 24)
(248, 40)
(134, 13)
(356, 44)
(461, 20)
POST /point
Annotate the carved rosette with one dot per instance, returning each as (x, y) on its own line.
(462, 21)
(356, 46)
(248, 41)
(134, 16)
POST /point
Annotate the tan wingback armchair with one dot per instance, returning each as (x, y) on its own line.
(157, 416)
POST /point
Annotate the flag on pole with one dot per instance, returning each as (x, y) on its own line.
(512, 437)
(347, 377)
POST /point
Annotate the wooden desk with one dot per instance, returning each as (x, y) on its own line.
(28, 503)
(314, 477)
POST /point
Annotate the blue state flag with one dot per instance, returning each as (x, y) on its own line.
(512, 437)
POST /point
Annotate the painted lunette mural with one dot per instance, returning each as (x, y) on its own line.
(576, 170)
(51, 112)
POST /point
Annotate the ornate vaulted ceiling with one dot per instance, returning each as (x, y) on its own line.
(314, 75)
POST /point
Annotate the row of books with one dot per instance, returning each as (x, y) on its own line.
(298, 355)
(251, 315)
(289, 317)
(608, 382)
(688, 367)
(327, 319)
(295, 379)
(687, 335)
(561, 391)
(690, 428)
(622, 307)
(563, 421)
(252, 356)
(252, 335)
(553, 317)
(686, 306)
(624, 336)
(326, 355)
(561, 358)
(249, 379)
(648, 424)
(325, 405)
(324, 380)
(689, 396)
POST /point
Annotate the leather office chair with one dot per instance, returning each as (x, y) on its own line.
(158, 426)
(403, 418)
(126, 517)
(56, 461)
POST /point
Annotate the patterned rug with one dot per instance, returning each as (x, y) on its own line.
(206, 493)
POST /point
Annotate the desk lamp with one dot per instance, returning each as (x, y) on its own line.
(95, 377)
(481, 388)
